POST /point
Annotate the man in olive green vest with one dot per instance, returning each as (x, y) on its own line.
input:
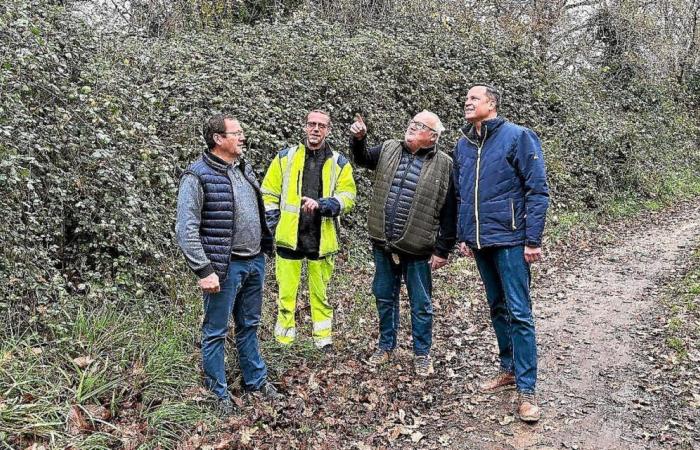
(412, 225)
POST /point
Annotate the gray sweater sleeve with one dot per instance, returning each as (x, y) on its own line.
(190, 199)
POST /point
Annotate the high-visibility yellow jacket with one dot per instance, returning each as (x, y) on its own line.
(281, 191)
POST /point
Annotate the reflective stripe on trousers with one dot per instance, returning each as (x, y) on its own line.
(288, 273)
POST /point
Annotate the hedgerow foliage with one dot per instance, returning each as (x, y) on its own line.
(96, 125)
(95, 129)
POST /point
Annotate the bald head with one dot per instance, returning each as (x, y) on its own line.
(432, 120)
(423, 131)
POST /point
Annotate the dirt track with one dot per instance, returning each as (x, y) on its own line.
(598, 314)
(590, 318)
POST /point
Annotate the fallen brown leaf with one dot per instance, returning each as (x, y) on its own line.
(83, 361)
(75, 422)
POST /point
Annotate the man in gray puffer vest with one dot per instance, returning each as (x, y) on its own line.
(412, 227)
(222, 232)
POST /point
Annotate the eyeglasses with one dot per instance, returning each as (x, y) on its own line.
(312, 125)
(420, 126)
(234, 133)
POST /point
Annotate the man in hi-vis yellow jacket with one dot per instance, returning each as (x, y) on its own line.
(305, 189)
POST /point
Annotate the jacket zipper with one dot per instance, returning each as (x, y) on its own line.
(512, 214)
(398, 194)
(476, 187)
(233, 208)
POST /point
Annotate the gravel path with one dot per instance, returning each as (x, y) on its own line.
(590, 319)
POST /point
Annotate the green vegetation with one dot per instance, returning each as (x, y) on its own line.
(682, 314)
(101, 316)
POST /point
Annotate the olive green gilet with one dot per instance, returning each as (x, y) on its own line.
(423, 223)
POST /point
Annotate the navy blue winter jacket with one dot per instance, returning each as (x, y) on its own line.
(502, 186)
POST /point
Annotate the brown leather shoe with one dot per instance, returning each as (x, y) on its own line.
(528, 411)
(379, 357)
(502, 382)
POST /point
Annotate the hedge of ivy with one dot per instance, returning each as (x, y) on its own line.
(96, 128)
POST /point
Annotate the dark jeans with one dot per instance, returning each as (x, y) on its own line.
(506, 277)
(240, 296)
(386, 287)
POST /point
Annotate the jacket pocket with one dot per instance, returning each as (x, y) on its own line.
(512, 215)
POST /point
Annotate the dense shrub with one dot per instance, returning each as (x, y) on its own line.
(96, 128)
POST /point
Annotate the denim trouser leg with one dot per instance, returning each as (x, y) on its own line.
(419, 283)
(506, 268)
(386, 287)
(217, 310)
(500, 318)
(246, 317)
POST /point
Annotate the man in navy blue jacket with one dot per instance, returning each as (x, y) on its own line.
(502, 185)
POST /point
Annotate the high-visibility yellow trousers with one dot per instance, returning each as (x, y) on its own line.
(288, 272)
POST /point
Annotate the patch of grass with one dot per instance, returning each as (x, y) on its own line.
(622, 207)
(148, 357)
(678, 345)
(683, 314)
(653, 205)
(38, 418)
(98, 441)
(94, 382)
(675, 324)
(562, 224)
(304, 429)
(172, 421)
(694, 289)
(671, 188)
(680, 185)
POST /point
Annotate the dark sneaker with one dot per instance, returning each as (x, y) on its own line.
(269, 391)
(502, 382)
(225, 406)
(528, 411)
(423, 365)
(327, 350)
(379, 357)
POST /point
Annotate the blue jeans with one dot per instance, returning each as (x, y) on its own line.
(506, 277)
(386, 287)
(240, 296)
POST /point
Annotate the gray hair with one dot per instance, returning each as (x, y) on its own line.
(491, 92)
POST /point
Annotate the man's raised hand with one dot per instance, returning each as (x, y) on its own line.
(358, 127)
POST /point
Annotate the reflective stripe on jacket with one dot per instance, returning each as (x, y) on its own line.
(281, 190)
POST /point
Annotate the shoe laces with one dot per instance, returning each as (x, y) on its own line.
(269, 389)
(423, 361)
(379, 353)
(502, 376)
(528, 397)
